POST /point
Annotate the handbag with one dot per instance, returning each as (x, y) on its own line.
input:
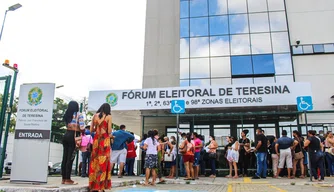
(300, 154)
(89, 147)
(168, 158)
(212, 155)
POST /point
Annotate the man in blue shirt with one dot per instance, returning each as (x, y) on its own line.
(119, 148)
(283, 150)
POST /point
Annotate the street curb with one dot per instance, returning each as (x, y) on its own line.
(117, 184)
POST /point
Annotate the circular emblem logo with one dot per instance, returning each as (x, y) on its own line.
(112, 99)
(35, 96)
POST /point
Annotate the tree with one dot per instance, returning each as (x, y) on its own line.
(57, 116)
(14, 112)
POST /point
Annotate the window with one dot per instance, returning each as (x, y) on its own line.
(276, 5)
(237, 6)
(241, 65)
(199, 68)
(221, 81)
(184, 83)
(307, 49)
(199, 27)
(184, 28)
(263, 64)
(220, 67)
(219, 25)
(184, 48)
(280, 42)
(199, 82)
(313, 49)
(318, 48)
(240, 45)
(238, 24)
(257, 6)
(261, 43)
(258, 22)
(329, 48)
(283, 64)
(219, 46)
(284, 78)
(198, 8)
(217, 7)
(297, 50)
(259, 80)
(241, 81)
(184, 9)
(278, 21)
(199, 47)
(184, 68)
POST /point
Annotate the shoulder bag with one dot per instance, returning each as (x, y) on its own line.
(300, 154)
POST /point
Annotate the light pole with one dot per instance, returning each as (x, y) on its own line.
(9, 112)
(11, 8)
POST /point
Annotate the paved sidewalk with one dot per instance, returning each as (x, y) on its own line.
(204, 184)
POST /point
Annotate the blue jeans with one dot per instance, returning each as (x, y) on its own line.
(261, 159)
(130, 162)
(182, 168)
(85, 162)
(213, 166)
(197, 157)
(330, 163)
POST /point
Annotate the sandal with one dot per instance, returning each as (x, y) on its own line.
(236, 177)
(63, 181)
(145, 184)
(228, 176)
(188, 179)
(70, 183)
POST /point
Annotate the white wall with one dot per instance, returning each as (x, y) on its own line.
(162, 44)
(310, 21)
(319, 71)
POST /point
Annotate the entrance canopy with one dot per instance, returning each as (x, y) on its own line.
(207, 97)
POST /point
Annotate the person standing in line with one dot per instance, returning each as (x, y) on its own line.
(86, 153)
(213, 155)
(198, 146)
(130, 157)
(160, 156)
(151, 158)
(244, 153)
(69, 144)
(261, 155)
(233, 157)
(299, 154)
(316, 154)
(188, 150)
(100, 168)
(143, 154)
(274, 156)
(121, 137)
(283, 149)
(182, 168)
(329, 152)
(201, 159)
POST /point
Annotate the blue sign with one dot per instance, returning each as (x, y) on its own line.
(304, 103)
(178, 106)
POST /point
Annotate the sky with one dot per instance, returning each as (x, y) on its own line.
(83, 45)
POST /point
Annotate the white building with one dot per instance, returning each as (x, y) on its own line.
(228, 44)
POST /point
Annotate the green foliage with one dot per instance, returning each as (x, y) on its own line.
(14, 111)
(57, 116)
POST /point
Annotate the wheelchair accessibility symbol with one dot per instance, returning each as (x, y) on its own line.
(304, 103)
(178, 106)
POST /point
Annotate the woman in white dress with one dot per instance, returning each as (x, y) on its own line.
(233, 157)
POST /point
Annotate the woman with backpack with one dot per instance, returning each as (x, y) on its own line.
(187, 148)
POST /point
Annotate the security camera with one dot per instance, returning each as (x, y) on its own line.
(298, 42)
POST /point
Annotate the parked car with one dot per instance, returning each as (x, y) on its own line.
(8, 167)
(56, 169)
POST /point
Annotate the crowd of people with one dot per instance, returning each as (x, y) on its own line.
(101, 148)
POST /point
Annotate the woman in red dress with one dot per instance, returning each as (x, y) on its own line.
(100, 170)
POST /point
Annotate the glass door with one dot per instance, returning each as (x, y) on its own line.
(221, 132)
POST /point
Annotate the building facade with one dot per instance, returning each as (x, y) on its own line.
(241, 42)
